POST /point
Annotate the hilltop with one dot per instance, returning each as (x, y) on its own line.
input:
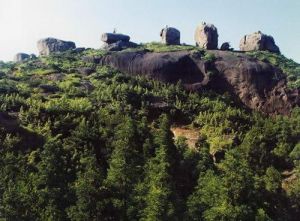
(156, 131)
(86, 134)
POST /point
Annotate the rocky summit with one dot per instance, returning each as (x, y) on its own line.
(256, 84)
(52, 45)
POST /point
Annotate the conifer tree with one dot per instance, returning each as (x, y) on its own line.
(160, 198)
(124, 167)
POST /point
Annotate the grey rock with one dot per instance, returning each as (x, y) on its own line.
(79, 50)
(32, 56)
(170, 36)
(49, 88)
(206, 36)
(86, 86)
(258, 42)
(91, 59)
(55, 77)
(225, 46)
(85, 70)
(21, 57)
(111, 38)
(119, 46)
(52, 45)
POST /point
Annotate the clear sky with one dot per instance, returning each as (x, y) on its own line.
(24, 22)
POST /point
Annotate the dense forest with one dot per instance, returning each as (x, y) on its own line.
(99, 146)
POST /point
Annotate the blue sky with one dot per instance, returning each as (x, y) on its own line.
(24, 22)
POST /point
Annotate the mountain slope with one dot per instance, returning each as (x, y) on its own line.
(83, 141)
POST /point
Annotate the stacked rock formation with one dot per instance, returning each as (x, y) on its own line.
(52, 45)
(258, 42)
(116, 42)
(170, 36)
(206, 36)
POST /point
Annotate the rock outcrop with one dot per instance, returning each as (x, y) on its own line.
(258, 42)
(170, 36)
(206, 36)
(255, 84)
(52, 45)
(116, 42)
(21, 57)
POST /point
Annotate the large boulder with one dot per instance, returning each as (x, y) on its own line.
(111, 38)
(52, 45)
(21, 57)
(116, 42)
(119, 46)
(206, 36)
(225, 47)
(170, 36)
(258, 42)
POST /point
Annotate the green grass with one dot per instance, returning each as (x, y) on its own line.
(159, 47)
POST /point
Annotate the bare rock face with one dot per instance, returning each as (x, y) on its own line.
(252, 83)
(258, 42)
(21, 57)
(170, 36)
(116, 42)
(206, 36)
(52, 45)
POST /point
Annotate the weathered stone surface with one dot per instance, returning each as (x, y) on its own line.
(206, 36)
(21, 57)
(52, 45)
(119, 46)
(258, 42)
(253, 83)
(170, 36)
(110, 38)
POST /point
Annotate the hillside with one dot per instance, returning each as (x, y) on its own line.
(86, 135)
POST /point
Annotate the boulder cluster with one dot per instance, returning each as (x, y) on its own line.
(116, 42)
(206, 37)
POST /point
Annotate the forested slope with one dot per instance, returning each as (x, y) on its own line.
(81, 141)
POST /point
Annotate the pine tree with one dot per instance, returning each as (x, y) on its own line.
(51, 181)
(88, 190)
(124, 168)
(160, 198)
